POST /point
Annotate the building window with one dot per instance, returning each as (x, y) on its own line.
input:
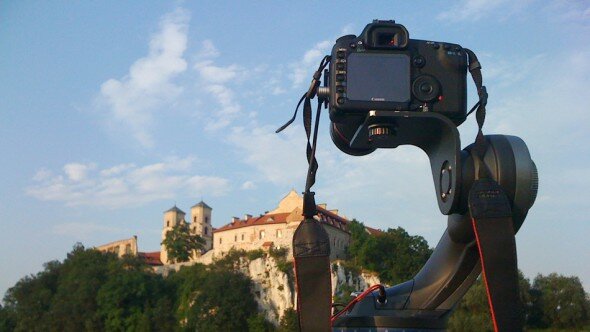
(167, 223)
(194, 219)
(206, 220)
(206, 230)
(242, 236)
(127, 249)
(279, 233)
(235, 238)
(261, 235)
(219, 240)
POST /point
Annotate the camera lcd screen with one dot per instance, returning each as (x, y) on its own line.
(378, 77)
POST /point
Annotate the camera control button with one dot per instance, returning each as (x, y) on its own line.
(340, 54)
(419, 61)
(426, 88)
(340, 77)
(340, 66)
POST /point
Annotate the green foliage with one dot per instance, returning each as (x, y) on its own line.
(472, 313)
(559, 302)
(278, 254)
(94, 291)
(540, 303)
(213, 298)
(7, 319)
(395, 255)
(258, 323)
(255, 254)
(289, 321)
(180, 243)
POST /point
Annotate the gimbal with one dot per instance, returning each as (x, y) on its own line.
(486, 189)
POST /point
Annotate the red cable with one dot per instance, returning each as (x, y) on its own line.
(485, 280)
(354, 301)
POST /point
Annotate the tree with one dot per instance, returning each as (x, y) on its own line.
(395, 255)
(180, 243)
(27, 303)
(258, 323)
(559, 302)
(213, 298)
(133, 298)
(289, 322)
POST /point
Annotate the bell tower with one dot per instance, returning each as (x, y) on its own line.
(201, 223)
(172, 217)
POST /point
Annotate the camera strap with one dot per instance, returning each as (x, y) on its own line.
(493, 227)
(311, 244)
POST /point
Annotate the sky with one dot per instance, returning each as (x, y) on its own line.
(112, 112)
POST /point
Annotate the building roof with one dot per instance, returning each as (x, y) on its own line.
(151, 258)
(325, 217)
(373, 231)
(174, 209)
(279, 218)
(202, 204)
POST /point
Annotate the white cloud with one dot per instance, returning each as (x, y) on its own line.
(248, 185)
(127, 184)
(279, 159)
(216, 81)
(149, 83)
(473, 10)
(42, 174)
(76, 171)
(303, 69)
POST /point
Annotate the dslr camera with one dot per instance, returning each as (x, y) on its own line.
(383, 69)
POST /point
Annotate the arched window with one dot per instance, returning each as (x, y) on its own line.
(219, 240)
(279, 233)
(128, 249)
(167, 223)
(195, 219)
(236, 238)
(206, 230)
(242, 236)
(261, 234)
(206, 220)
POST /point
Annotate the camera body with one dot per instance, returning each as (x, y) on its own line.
(383, 69)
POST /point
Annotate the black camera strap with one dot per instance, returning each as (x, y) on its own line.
(493, 227)
(311, 244)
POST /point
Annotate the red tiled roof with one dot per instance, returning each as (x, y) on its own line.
(373, 231)
(151, 258)
(327, 217)
(261, 220)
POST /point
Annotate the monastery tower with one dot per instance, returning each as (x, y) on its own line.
(201, 223)
(172, 217)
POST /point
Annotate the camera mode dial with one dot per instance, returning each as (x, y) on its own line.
(426, 88)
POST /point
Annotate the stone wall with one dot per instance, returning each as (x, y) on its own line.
(121, 247)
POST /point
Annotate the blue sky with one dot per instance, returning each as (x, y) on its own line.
(111, 112)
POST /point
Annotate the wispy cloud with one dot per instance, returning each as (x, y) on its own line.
(278, 159)
(132, 99)
(125, 184)
(473, 10)
(216, 81)
(302, 69)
